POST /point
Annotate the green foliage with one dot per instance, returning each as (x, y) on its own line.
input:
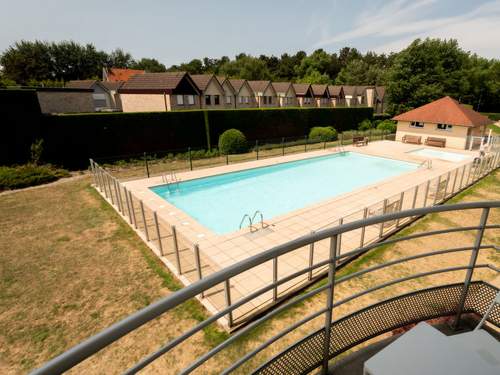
(246, 67)
(232, 141)
(387, 125)
(361, 72)
(36, 151)
(493, 116)
(149, 65)
(323, 133)
(28, 175)
(365, 125)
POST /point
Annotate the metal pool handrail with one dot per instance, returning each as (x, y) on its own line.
(94, 344)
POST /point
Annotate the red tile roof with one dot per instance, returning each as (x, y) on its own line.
(445, 111)
(122, 75)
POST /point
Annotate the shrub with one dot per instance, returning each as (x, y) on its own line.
(29, 175)
(387, 125)
(323, 133)
(36, 151)
(365, 125)
(232, 141)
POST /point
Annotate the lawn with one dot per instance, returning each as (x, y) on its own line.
(69, 267)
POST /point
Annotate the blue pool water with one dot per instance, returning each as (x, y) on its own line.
(219, 202)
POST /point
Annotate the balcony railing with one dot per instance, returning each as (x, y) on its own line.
(336, 335)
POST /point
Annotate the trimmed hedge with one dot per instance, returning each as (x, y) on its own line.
(20, 119)
(29, 175)
(69, 140)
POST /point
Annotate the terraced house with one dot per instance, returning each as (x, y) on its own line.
(243, 94)
(264, 93)
(212, 94)
(159, 92)
(286, 94)
(305, 97)
(321, 95)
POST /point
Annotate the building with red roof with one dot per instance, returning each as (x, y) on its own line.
(444, 121)
(119, 74)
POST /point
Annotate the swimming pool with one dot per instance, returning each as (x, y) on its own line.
(436, 154)
(219, 202)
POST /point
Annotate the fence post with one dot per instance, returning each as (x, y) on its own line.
(160, 246)
(190, 159)
(98, 175)
(128, 205)
(448, 177)
(401, 199)
(305, 143)
(462, 177)
(144, 220)
(176, 249)
(146, 164)
(339, 238)
(227, 292)
(275, 279)
(227, 159)
(92, 170)
(257, 148)
(311, 259)
(467, 182)
(329, 302)
(472, 264)
(198, 264)
(118, 200)
(363, 228)
(437, 191)
(132, 209)
(282, 146)
(384, 208)
(454, 181)
(108, 180)
(427, 186)
(415, 194)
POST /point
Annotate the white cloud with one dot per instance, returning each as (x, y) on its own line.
(477, 30)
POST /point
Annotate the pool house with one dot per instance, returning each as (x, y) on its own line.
(441, 123)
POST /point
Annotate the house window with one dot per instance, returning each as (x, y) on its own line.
(445, 127)
(190, 99)
(228, 99)
(208, 100)
(264, 98)
(416, 124)
(247, 99)
(216, 99)
(241, 99)
(180, 100)
(269, 100)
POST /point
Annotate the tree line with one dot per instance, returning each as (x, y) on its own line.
(425, 70)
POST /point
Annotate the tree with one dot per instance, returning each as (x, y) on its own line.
(315, 77)
(360, 72)
(424, 71)
(149, 65)
(247, 67)
(319, 61)
(27, 60)
(120, 59)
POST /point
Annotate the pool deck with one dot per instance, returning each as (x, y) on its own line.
(219, 251)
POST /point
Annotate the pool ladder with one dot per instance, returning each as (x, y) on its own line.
(427, 163)
(170, 179)
(251, 221)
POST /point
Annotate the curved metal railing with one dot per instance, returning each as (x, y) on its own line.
(94, 344)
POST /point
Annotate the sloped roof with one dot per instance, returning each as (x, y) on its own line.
(281, 87)
(259, 86)
(111, 85)
(349, 90)
(122, 75)
(319, 90)
(223, 80)
(334, 90)
(237, 84)
(302, 89)
(158, 82)
(380, 91)
(445, 111)
(81, 84)
(202, 80)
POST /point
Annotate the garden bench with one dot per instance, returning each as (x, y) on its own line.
(437, 142)
(359, 141)
(415, 139)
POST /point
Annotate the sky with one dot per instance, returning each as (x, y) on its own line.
(178, 31)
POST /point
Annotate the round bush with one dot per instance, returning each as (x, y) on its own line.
(323, 133)
(365, 125)
(387, 125)
(232, 141)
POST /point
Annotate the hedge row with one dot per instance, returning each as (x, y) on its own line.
(69, 140)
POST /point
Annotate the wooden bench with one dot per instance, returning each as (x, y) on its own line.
(437, 142)
(359, 141)
(415, 139)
